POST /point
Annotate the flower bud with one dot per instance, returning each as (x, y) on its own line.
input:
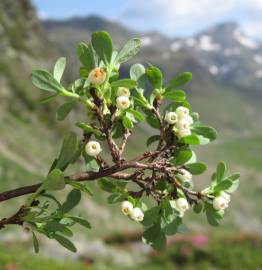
(137, 214)
(97, 75)
(127, 208)
(184, 175)
(171, 118)
(93, 148)
(122, 102)
(182, 204)
(123, 91)
(220, 203)
(182, 111)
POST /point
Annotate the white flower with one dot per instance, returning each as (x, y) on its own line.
(183, 124)
(122, 102)
(182, 111)
(137, 214)
(127, 208)
(171, 118)
(220, 203)
(189, 119)
(184, 175)
(225, 195)
(123, 91)
(93, 148)
(183, 132)
(97, 75)
(182, 204)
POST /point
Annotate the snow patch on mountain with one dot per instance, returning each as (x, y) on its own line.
(206, 44)
(259, 73)
(213, 70)
(176, 46)
(244, 40)
(191, 42)
(146, 41)
(258, 59)
(232, 51)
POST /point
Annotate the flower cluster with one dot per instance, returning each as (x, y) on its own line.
(180, 120)
(134, 212)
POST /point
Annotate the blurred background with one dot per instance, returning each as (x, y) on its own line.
(219, 41)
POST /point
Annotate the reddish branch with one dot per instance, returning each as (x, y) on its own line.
(157, 162)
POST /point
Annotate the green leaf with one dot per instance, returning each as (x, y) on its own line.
(181, 156)
(172, 228)
(72, 200)
(103, 45)
(65, 242)
(167, 213)
(48, 99)
(54, 226)
(64, 110)
(198, 207)
(153, 121)
(155, 237)
(35, 243)
(138, 116)
(128, 83)
(196, 168)
(191, 139)
(152, 139)
(54, 181)
(45, 81)
(235, 182)
(118, 130)
(127, 122)
(81, 187)
(91, 164)
(137, 71)
(205, 131)
(107, 185)
(88, 129)
(81, 221)
(155, 76)
(213, 217)
(59, 68)
(180, 80)
(86, 56)
(223, 185)
(151, 216)
(130, 49)
(68, 150)
(115, 198)
(220, 171)
(176, 95)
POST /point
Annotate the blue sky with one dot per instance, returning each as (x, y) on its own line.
(171, 17)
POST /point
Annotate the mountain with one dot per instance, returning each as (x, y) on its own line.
(198, 55)
(24, 45)
(232, 57)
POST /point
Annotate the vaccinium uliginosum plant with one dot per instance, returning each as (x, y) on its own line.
(114, 107)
